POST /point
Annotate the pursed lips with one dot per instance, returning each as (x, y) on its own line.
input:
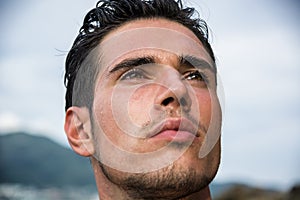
(175, 124)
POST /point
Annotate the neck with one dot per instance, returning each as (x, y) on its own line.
(110, 191)
(203, 194)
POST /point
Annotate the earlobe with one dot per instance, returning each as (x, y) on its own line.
(78, 130)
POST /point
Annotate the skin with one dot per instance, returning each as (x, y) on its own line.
(127, 105)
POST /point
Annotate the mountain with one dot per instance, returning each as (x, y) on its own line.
(28, 160)
(38, 161)
(246, 192)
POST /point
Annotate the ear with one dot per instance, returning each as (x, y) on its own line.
(78, 130)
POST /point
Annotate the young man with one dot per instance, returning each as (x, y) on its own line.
(141, 100)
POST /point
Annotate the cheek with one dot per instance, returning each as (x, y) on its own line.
(205, 106)
(123, 109)
(103, 115)
(140, 104)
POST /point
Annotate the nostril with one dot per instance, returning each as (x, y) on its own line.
(167, 101)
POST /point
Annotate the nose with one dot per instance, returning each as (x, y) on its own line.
(174, 95)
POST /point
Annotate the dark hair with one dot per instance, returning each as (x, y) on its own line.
(110, 14)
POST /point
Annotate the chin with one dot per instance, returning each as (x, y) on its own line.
(185, 176)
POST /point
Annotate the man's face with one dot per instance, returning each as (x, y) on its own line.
(155, 104)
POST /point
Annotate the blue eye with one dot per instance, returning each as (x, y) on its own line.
(134, 73)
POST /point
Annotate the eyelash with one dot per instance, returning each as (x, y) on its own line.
(201, 76)
(136, 73)
(133, 72)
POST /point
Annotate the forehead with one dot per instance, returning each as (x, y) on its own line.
(152, 23)
(149, 37)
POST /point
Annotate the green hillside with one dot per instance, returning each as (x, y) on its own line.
(28, 160)
(38, 161)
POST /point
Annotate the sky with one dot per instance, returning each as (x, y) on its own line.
(257, 46)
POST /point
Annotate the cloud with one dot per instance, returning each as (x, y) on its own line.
(31, 83)
(9, 122)
(258, 50)
(259, 66)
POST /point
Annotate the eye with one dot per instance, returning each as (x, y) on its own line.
(134, 73)
(194, 76)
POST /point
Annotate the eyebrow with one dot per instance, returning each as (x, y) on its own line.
(133, 62)
(193, 61)
(187, 60)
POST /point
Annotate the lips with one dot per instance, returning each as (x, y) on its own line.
(180, 128)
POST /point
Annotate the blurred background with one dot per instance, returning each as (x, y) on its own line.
(257, 46)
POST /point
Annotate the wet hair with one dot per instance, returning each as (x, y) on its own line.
(109, 15)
